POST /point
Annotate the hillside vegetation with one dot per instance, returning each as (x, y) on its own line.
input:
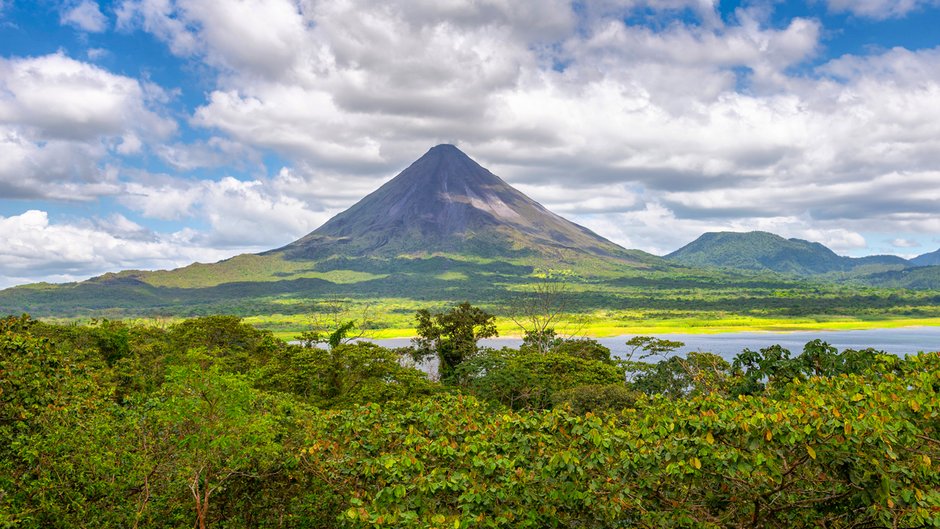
(212, 423)
(762, 252)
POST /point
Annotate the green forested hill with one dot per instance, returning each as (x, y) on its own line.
(927, 259)
(920, 278)
(762, 251)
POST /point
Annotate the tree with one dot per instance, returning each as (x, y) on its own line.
(652, 347)
(773, 366)
(214, 431)
(226, 340)
(332, 340)
(586, 348)
(529, 380)
(539, 309)
(452, 335)
(343, 375)
(336, 322)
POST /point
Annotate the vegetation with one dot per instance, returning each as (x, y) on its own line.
(598, 301)
(452, 336)
(209, 422)
(762, 251)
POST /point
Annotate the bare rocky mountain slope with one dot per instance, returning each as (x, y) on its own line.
(446, 202)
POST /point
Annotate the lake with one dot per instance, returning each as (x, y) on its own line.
(900, 341)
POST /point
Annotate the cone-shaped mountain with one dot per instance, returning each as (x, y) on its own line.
(446, 202)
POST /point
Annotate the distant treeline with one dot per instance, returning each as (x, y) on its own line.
(211, 422)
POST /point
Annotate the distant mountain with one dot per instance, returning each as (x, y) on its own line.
(447, 203)
(762, 251)
(928, 259)
(445, 228)
(917, 278)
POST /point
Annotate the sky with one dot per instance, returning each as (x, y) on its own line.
(149, 134)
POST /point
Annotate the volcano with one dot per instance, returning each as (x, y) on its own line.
(447, 203)
(445, 228)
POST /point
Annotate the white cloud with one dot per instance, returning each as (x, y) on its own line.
(594, 199)
(649, 134)
(246, 213)
(37, 249)
(214, 152)
(85, 15)
(239, 214)
(61, 118)
(162, 197)
(95, 54)
(879, 9)
(62, 98)
(904, 243)
(55, 169)
(157, 17)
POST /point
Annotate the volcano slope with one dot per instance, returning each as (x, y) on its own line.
(445, 230)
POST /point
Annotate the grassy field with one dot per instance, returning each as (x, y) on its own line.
(599, 300)
(598, 326)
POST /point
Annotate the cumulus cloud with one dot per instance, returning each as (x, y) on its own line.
(238, 213)
(705, 117)
(62, 98)
(905, 243)
(84, 15)
(879, 9)
(649, 122)
(214, 152)
(54, 169)
(61, 118)
(242, 213)
(36, 248)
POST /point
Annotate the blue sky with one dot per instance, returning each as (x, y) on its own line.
(154, 133)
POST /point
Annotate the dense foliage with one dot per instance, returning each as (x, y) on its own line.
(213, 423)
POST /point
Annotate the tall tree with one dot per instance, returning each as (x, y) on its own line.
(452, 335)
(537, 310)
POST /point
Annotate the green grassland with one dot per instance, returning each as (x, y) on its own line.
(600, 297)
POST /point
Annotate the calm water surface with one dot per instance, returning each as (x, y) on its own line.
(908, 340)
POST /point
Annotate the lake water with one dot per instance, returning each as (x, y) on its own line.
(901, 341)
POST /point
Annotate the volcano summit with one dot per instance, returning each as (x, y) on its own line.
(447, 203)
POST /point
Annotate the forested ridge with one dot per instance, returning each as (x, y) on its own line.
(210, 422)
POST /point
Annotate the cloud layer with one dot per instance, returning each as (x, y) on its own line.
(649, 122)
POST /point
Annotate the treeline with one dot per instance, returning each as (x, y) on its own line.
(213, 423)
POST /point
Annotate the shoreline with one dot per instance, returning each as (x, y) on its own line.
(602, 332)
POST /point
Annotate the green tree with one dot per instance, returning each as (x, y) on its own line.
(529, 380)
(452, 336)
(651, 347)
(208, 433)
(676, 377)
(586, 348)
(332, 339)
(226, 340)
(343, 375)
